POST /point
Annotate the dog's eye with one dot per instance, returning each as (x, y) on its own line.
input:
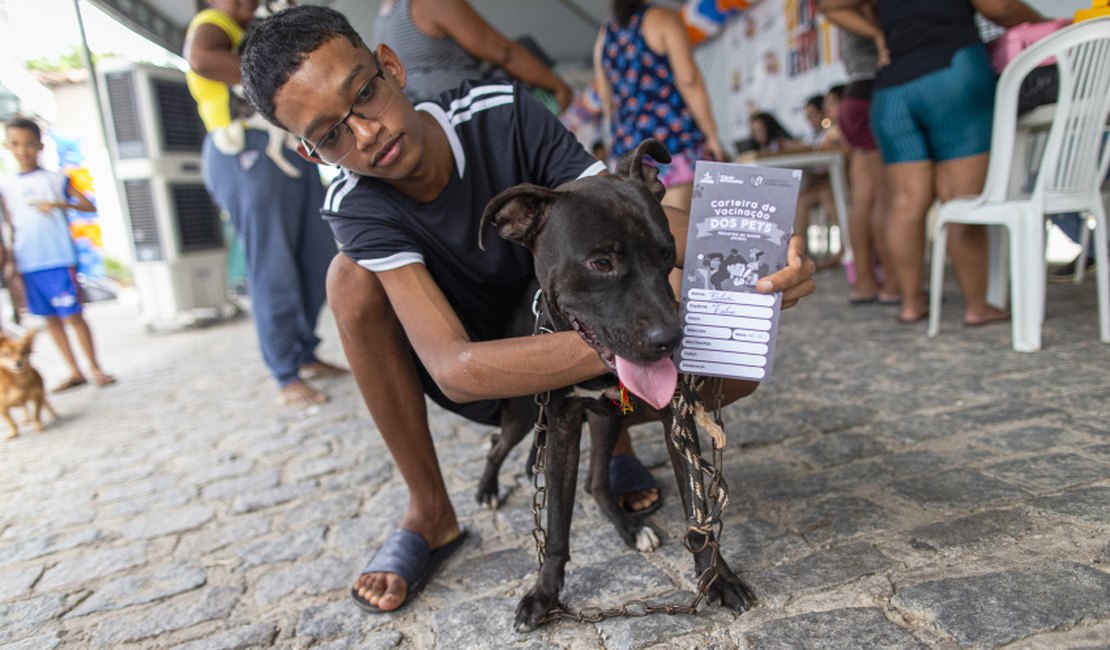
(601, 264)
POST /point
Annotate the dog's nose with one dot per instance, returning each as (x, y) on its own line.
(663, 338)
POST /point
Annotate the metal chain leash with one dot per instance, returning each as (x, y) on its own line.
(704, 521)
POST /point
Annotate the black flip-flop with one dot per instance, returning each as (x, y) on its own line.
(869, 300)
(406, 554)
(626, 475)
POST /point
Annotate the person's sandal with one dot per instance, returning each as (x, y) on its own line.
(406, 554)
(72, 382)
(627, 475)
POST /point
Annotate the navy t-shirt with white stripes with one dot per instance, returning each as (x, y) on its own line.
(500, 136)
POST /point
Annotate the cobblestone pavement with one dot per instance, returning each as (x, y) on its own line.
(888, 491)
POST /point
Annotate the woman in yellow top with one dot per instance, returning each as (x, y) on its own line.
(273, 197)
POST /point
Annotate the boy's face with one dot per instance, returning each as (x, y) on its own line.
(323, 91)
(25, 147)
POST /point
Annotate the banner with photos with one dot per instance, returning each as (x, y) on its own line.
(782, 52)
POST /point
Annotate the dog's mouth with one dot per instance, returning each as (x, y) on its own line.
(654, 381)
(607, 355)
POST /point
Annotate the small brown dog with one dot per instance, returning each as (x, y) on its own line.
(21, 384)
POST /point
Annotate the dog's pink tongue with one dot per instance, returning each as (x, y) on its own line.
(653, 382)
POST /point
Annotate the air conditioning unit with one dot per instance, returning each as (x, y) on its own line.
(155, 138)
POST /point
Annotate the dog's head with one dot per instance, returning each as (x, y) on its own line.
(603, 252)
(15, 354)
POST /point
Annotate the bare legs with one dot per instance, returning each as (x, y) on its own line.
(867, 226)
(381, 360)
(817, 192)
(967, 244)
(913, 189)
(56, 327)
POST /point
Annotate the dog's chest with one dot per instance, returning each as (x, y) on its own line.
(15, 390)
(601, 395)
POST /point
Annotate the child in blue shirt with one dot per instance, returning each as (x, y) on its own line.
(36, 201)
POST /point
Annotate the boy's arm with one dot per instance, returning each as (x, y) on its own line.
(466, 370)
(80, 202)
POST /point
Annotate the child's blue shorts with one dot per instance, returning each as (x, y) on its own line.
(940, 116)
(52, 292)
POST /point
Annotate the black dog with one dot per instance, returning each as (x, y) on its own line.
(603, 252)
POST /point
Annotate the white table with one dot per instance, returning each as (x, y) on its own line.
(834, 161)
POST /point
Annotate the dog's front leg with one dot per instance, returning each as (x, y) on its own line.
(560, 479)
(518, 415)
(11, 423)
(39, 401)
(727, 588)
(604, 430)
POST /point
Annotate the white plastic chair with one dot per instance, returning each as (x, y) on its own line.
(1071, 170)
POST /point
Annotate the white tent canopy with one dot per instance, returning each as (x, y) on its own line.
(564, 29)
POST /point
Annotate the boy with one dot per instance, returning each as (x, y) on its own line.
(36, 202)
(418, 306)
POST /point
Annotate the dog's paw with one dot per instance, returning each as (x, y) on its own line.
(533, 608)
(489, 494)
(490, 499)
(731, 592)
(647, 540)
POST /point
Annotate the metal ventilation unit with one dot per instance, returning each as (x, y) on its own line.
(176, 235)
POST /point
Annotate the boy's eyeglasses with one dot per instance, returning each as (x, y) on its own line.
(370, 102)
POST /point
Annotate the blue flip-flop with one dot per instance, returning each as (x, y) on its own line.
(406, 554)
(626, 475)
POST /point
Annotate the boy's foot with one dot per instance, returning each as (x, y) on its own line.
(400, 569)
(299, 395)
(318, 369)
(72, 382)
(103, 378)
(633, 485)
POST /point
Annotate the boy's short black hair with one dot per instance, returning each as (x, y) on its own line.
(817, 101)
(277, 47)
(26, 124)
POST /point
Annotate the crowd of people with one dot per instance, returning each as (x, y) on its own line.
(419, 307)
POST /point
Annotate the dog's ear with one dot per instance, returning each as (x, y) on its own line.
(29, 337)
(631, 165)
(518, 213)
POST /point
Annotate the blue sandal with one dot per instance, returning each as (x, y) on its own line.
(406, 554)
(626, 475)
